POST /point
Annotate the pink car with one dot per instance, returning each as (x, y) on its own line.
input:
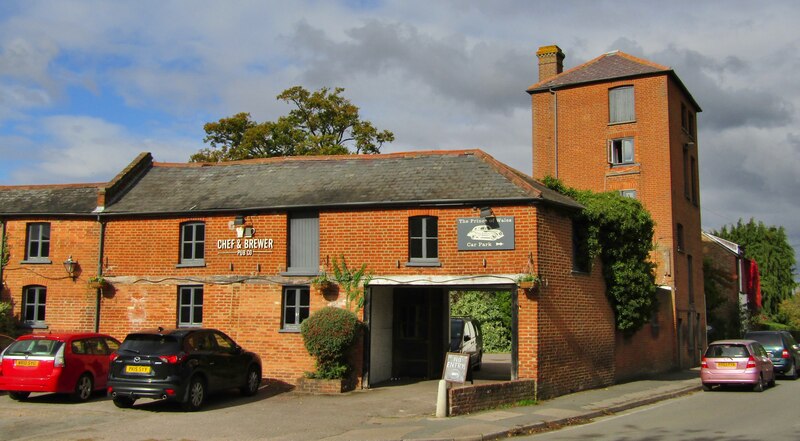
(736, 362)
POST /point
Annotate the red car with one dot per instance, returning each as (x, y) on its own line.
(71, 363)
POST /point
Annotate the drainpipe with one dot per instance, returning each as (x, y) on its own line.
(2, 251)
(555, 129)
(101, 241)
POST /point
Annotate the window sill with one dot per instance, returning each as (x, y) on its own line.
(191, 265)
(580, 272)
(424, 264)
(35, 325)
(288, 331)
(616, 123)
(38, 262)
(300, 273)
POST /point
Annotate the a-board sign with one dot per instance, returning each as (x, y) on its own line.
(455, 367)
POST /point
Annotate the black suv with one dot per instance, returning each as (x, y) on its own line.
(183, 365)
(782, 349)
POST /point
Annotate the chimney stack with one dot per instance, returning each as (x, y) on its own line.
(551, 62)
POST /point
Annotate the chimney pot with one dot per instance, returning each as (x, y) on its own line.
(551, 61)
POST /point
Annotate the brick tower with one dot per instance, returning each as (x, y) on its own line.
(621, 123)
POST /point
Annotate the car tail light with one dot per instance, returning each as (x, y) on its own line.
(704, 363)
(785, 354)
(751, 362)
(113, 356)
(173, 359)
(59, 361)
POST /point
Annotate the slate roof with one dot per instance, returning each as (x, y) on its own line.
(411, 178)
(79, 199)
(606, 67)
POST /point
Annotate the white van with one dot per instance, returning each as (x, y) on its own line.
(466, 338)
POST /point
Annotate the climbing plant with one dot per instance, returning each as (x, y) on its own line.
(352, 282)
(620, 231)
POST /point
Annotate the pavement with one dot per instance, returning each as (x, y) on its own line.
(397, 410)
(407, 411)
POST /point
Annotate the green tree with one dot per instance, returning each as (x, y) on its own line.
(620, 231)
(770, 248)
(493, 312)
(322, 123)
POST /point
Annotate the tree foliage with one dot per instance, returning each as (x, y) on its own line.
(328, 335)
(4, 253)
(770, 248)
(619, 231)
(321, 123)
(789, 311)
(492, 310)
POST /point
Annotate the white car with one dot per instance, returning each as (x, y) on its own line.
(466, 338)
(483, 232)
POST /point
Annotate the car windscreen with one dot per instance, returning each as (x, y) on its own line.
(768, 340)
(456, 333)
(35, 347)
(727, 351)
(150, 344)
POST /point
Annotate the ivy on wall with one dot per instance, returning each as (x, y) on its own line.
(620, 231)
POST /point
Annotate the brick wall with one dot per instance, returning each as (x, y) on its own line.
(634, 354)
(70, 303)
(575, 323)
(474, 398)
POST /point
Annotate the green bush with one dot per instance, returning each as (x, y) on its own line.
(7, 324)
(492, 310)
(328, 335)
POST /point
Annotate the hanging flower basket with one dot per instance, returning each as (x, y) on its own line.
(529, 282)
(97, 283)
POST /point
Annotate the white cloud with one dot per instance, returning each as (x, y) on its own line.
(86, 149)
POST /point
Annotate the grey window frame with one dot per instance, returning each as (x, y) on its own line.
(296, 309)
(621, 105)
(193, 242)
(616, 155)
(40, 240)
(39, 305)
(303, 250)
(424, 239)
(193, 305)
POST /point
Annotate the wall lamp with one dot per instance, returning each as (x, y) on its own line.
(70, 266)
(488, 214)
(238, 221)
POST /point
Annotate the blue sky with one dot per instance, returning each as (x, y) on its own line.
(87, 85)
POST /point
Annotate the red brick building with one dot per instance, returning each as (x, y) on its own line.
(620, 123)
(235, 245)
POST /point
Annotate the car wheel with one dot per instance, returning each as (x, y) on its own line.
(83, 388)
(792, 372)
(707, 387)
(253, 380)
(123, 402)
(771, 382)
(195, 396)
(19, 396)
(759, 387)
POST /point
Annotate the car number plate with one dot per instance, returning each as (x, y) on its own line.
(137, 369)
(726, 364)
(30, 363)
